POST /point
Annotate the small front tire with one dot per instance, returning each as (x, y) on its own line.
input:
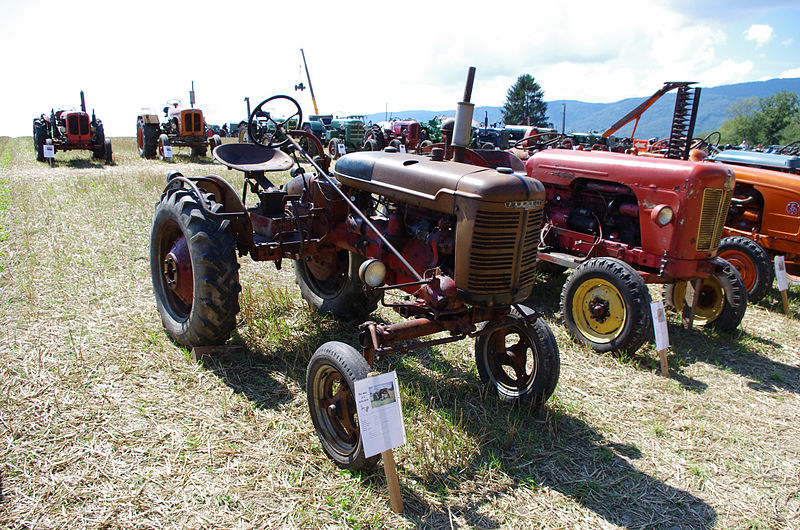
(330, 381)
(606, 305)
(752, 262)
(519, 363)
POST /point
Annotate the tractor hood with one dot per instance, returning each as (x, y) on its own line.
(422, 182)
(755, 159)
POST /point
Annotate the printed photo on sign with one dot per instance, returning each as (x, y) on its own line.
(342, 149)
(381, 395)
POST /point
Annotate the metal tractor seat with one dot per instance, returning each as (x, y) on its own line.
(252, 158)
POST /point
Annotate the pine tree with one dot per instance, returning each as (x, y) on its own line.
(525, 103)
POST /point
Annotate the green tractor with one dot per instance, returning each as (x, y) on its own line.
(347, 131)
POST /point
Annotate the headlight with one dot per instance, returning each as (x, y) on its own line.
(372, 272)
(662, 215)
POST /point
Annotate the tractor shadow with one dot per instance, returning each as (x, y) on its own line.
(534, 450)
(734, 353)
(84, 163)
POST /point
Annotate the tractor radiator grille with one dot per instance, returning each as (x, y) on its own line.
(712, 218)
(78, 124)
(503, 254)
(193, 122)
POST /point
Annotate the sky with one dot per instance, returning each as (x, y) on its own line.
(370, 56)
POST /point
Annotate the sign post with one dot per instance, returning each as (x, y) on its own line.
(783, 281)
(661, 333)
(380, 420)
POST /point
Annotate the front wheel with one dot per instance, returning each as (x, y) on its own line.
(330, 381)
(519, 363)
(333, 149)
(606, 305)
(194, 271)
(752, 262)
(330, 284)
(722, 301)
(163, 142)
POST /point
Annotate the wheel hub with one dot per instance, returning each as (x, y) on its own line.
(177, 270)
(599, 309)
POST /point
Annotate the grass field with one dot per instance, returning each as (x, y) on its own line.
(104, 422)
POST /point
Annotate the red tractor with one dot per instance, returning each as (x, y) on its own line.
(622, 222)
(181, 128)
(393, 134)
(460, 241)
(68, 129)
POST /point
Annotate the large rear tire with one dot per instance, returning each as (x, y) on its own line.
(519, 363)
(606, 305)
(752, 262)
(330, 284)
(39, 133)
(330, 378)
(722, 302)
(194, 271)
(146, 138)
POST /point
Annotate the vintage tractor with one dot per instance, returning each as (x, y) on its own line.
(67, 129)
(764, 217)
(348, 130)
(181, 128)
(459, 240)
(622, 222)
(392, 133)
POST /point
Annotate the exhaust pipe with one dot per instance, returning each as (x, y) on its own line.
(83, 103)
(462, 130)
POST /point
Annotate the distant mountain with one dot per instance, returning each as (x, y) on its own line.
(581, 116)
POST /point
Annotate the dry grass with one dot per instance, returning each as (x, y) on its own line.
(105, 423)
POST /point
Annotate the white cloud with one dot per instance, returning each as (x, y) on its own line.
(760, 33)
(788, 74)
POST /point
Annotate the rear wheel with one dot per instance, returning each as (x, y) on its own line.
(99, 142)
(146, 138)
(330, 284)
(752, 262)
(606, 305)
(371, 145)
(39, 133)
(194, 271)
(519, 362)
(214, 142)
(722, 301)
(330, 379)
(198, 151)
(107, 155)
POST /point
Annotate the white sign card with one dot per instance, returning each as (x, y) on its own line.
(167, 151)
(342, 149)
(780, 273)
(380, 416)
(402, 148)
(660, 325)
(49, 151)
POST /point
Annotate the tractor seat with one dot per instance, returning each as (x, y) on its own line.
(252, 157)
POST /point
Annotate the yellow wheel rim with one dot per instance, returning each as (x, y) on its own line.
(709, 305)
(598, 310)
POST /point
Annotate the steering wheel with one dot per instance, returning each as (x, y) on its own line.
(548, 143)
(276, 137)
(698, 143)
(790, 149)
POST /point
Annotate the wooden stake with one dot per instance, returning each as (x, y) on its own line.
(389, 469)
(662, 354)
(785, 303)
(690, 301)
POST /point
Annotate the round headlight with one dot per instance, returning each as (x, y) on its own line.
(663, 215)
(372, 272)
